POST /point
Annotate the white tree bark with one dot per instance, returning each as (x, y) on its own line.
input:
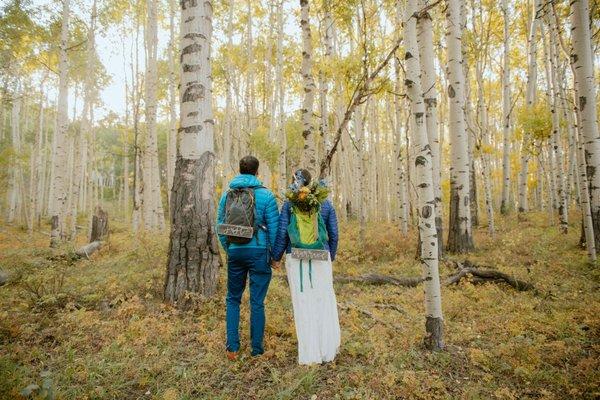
(172, 135)
(585, 88)
(309, 153)
(459, 231)
(425, 193)
(428, 78)
(485, 147)
(400, 178)
(558, 171)
(280, 88)
(529, 102)
(15, 172)
(60, 180)
(152, 204)
(505, 205)
(194, 260)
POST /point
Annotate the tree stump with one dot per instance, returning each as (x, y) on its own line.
(98, 235)
(99, 225)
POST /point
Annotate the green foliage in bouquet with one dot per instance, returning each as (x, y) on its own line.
(307, 198)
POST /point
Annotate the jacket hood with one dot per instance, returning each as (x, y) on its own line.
(244, 180)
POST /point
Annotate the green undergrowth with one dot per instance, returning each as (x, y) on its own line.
(97, 329)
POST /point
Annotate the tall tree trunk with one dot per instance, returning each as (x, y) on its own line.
(15, 171)
(80, 142)
(485, 147)
(152, 202)
(193, 259)
(309, 153)
(459, 231)
(400, 178)
(558, 171)
(280, 88)
(425, 193)
(585, 88)
(529, 102)
(172, 135)
(425, 37)
(60, 189)
(505, 205)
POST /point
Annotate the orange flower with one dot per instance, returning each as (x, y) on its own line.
(302, 196)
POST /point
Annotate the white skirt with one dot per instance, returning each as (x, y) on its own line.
(315, 309)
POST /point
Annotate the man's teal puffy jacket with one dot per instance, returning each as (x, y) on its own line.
(266, 214)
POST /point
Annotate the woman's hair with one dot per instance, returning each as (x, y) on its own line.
(302, 177)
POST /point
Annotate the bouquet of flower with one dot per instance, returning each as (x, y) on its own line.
(307, 198)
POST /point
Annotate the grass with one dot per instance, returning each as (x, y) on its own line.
(97, 329)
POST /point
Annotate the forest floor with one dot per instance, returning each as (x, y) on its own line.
(97, 329)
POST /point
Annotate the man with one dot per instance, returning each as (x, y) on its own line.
(248, 256)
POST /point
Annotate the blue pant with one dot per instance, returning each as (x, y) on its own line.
(240, 263)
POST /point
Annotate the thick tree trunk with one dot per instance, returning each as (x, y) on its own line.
(459, 231)
(585, 88)
(193, 259)
(309, 152)
(425, 191)
(60, 180)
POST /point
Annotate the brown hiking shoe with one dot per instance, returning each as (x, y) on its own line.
(232, 355)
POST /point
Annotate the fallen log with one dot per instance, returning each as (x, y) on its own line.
(481, 275)
(375, 279)
(467, 269)
(351, 306)
(87, 250)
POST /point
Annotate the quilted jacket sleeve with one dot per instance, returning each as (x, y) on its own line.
(272, 219)
(332, 230)
(282, 240)
(221, 218)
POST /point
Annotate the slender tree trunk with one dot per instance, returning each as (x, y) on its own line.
(60, 189)
(459, 231)
(558, 171)
(15, 172)
(281, 133)
(400, 178)
(425, 37)
(309, 153)
(193, 259)
(152, 203)
(485, 147)
(505, 205)
(529, 102)
(172, 135)
(425, 193)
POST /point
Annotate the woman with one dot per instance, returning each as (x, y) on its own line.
(308, 222)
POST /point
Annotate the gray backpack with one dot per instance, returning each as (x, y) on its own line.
(239, 216)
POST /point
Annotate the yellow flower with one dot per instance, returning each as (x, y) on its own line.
(304, 189)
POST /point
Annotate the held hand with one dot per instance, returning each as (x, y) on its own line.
(275, 264)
